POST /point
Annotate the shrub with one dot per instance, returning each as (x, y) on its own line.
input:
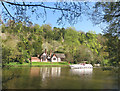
(75, 61)
(21, 60)
(87, 62)
(27, 61)
(92, 62)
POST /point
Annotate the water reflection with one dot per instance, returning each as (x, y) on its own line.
(34, 71)
(58, 78)
(82, 72)
(50, 72)
(45, 72)
(56, 71)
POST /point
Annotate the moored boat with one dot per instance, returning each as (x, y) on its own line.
(79, 66)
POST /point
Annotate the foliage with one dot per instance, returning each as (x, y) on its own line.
(32, 37)
(6, 52)
(83, 54)
(75, 62)
(77, 46)
(109, 13)
(113, 49)
(27, 61)
(21, 60)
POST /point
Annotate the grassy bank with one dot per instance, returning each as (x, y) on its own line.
(39, 64)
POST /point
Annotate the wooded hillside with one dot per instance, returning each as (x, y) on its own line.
(21, 41)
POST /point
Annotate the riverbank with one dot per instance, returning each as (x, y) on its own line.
(49, 64)
(37, 64)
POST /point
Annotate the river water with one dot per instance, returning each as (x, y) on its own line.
(58, 78)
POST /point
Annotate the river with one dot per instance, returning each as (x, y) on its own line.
(58, 78)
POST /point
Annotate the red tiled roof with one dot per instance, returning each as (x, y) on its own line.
(35, 59)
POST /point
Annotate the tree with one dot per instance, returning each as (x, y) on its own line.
(6, 52)
(37, 46)
(70, 11)
(62, 31)
(82, 38)
(109, 12)
(38, 29)
(47, 31)
(71, 41)
(83, 53)
(57, 34)
(112, 49)
(92, 41)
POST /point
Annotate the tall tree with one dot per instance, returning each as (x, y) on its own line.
(109, 12)
(71, 41)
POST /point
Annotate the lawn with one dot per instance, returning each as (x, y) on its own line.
(38, 64)
(50, 63)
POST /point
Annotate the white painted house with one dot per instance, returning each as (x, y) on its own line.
(44, 57)
(57, 57)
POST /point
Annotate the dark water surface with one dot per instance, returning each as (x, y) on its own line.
(58, 78)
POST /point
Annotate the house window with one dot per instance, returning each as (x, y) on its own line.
(54, 58)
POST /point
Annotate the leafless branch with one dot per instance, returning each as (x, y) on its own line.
(41, 6)
(70, 12)
(7, 10)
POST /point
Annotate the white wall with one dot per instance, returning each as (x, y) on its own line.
(43, 61)
(53, 58)
(59, 59)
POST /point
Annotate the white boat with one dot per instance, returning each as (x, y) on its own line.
(79, 66)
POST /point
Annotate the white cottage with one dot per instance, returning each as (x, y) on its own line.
(44, 57)
(57, 57)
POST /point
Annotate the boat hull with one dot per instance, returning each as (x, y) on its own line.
(80, 66)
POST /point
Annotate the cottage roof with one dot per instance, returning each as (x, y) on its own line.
(35, 59)
(60, 55)
(44, 54)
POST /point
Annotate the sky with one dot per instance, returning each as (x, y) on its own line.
(84, 25)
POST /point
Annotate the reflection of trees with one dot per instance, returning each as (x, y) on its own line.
(8, 75)
(84, 73)
(0, 78)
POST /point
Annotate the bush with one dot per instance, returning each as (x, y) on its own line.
(21, 60)
(27, 61)
(75, 61)
(92, 62)
(87, 62)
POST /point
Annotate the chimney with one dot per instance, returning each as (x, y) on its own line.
(45, 51)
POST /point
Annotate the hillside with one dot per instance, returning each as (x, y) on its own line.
(20, 42)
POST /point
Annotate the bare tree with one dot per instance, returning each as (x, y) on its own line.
(71, 12)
